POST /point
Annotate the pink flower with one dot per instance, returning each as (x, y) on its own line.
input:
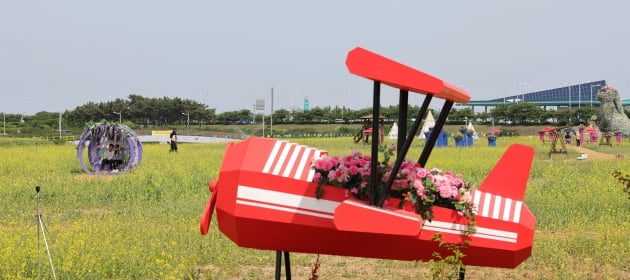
(332, 176)
(418, 184)
(445, 190)
(354, 170)
(422, 173)
(321, 163)
(412, 183)
(457, 182)
(467, 197)
(317, 177)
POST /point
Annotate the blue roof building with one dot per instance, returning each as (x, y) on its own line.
(573, 96)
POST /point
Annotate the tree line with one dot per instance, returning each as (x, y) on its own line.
(139, 111)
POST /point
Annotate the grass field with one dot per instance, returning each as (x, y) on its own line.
(144, 224)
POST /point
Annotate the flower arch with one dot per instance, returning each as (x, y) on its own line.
(97, 136)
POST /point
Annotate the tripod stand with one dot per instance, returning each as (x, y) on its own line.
(41, 227)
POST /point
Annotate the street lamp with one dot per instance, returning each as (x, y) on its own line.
(568, 86)
(504, 91)
(4, 122)
(119, 117)
(579, 94)
(592, 86)
(187, 121)
(271, 117)
(523, 86)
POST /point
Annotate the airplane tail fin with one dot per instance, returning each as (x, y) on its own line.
(509, 176)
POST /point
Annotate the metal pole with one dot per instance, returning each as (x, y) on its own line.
(402, 150)
(466, 126)
(579, 94)
(271, 117)
(263, 123)
(187, 121)
(376, 111)
(437, 129)
(403, 104)
(41, 226)
(569, 99)
(592, 93)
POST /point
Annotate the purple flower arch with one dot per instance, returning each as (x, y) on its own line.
(98, 135)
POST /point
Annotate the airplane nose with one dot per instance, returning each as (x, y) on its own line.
(206, 215)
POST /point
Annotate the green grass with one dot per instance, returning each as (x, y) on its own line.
(144, 224)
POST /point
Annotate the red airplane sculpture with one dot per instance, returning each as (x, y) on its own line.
(265, 197)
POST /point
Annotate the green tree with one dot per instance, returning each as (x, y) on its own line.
(524, 113)
(583, 115)
(500, 113)
(281, 116)
(461, 115)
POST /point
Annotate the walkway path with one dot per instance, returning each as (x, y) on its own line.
(592, 155)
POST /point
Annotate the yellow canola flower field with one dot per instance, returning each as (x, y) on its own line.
(144, 224)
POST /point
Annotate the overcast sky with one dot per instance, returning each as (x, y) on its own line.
(57, 55)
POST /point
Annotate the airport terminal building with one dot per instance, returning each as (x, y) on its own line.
(573, 96)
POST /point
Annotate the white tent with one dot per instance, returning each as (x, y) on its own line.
(429, 122)
(471, 127)
(393, 133)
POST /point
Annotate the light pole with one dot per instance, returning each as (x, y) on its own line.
(59, 125)
(4, 123)
(568, 86)
(271, 117)
(504, 91)
(187, 121)
(522, 86)
(579, 94)
(119, 116)
(592, 86)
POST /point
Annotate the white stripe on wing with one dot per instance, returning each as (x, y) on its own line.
(497, 207)
(272, 157)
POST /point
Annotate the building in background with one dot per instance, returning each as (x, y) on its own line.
(572, 96)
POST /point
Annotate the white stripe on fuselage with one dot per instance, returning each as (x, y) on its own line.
(322, 208)
(480, 232)
(265, 198)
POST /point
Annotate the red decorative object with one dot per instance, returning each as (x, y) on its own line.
(265, 197)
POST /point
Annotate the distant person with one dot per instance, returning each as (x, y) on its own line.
(118, 157)
(108, 157)
(173, 140)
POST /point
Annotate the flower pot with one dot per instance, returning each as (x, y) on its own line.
(492, 141)
(459, 142)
